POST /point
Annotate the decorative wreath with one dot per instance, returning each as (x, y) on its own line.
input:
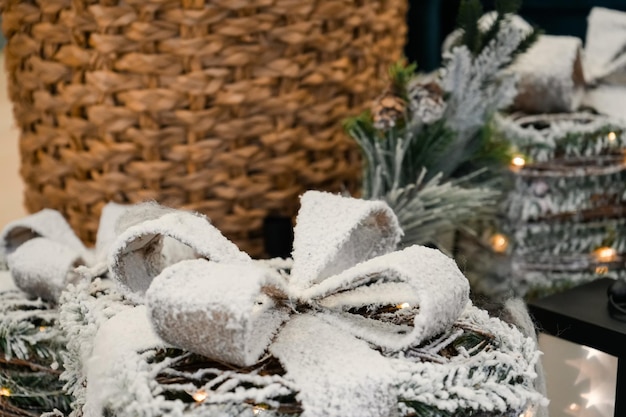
(350, 327)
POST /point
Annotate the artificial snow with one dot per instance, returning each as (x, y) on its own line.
(107, 231)
(44, 254)
(6, 282)
(216, 310)
(485, 21)
(354, 380)
(607, 99)
(20, 313)
(605, 59)
(485, 380)
(551, 78)
(436, 284)
(45, 223)
(43, 267)
(143, 250)
(336, 374)
(205, 296)
(472, 95)
(575, 174)
(334, 232)
(123, 336)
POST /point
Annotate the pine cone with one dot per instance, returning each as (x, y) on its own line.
(387, 110)
(426, 101)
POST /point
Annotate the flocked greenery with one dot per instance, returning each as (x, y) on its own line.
(567, 202)
(475, 39)
(439, 173)
(495, 353)
(30, 357)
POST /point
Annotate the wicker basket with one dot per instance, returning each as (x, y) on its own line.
(229, 107)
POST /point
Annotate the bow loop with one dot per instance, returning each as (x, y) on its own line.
(145, 248)
(605, 46)
(43, 253)
(333, 233)
(46, 223)
(395, 300)
(220, 311)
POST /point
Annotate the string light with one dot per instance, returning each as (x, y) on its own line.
(602, 270)
(605, 254)
(611, 136)
(199, 396)
(499, 243)
(403, 305)
(530, 412)
(42, 328)
(5, 392)
(518, 162)
(258, 409)
(573, 407)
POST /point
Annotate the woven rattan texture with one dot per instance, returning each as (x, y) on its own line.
(229, 107)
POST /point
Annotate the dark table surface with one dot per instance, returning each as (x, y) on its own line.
(580, 315)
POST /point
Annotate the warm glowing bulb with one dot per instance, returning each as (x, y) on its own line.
(5, 392)
(499, 243)
(530, 412)
(611, 136)
(518, 161)
(257, 409)
(199, 396)
(573, 407)
(42, 328)
(605, 254)
(403, 305)
(602, 270)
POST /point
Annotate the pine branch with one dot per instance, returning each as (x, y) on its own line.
(412, 163)
(362, 122)
(528, 41)
(492, 149)
(493, 30)
(34, 390)
(30, 342)
(470, 12)
(503, 10)
(428, 210)
(423, 410)
(507, 6)
(361, 128)
(400, 74)
(425, 150)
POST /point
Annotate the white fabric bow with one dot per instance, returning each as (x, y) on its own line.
(42, 252)
(604, 46)
(557, 75)
(348, 297)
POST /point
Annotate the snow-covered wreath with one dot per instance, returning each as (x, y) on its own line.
(350, 327)
(567, 201)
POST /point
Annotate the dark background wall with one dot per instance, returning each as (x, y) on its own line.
(431, 20)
